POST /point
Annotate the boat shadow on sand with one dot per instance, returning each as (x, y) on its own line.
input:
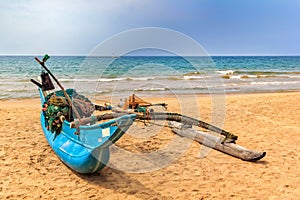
(127, 183)
(122, 183)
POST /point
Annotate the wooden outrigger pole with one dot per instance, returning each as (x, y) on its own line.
(163, 116)
(225, 144)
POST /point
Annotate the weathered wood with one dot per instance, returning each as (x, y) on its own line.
(182, 119)
(158, 116)
(36, 83)
(216, 143)
(88, 120)
(206, 139)
(135, 101)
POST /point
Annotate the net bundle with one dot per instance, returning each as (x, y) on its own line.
(56, 106)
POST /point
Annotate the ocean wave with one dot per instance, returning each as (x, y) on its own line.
(69, 80)
(140, 78)
(107, 79)
(151, 89)
(198, 77)
(239, 74)
(27, 80)
(246, 76)
(275, 83)
(192, 73)
(18, 90)
(192, 77)
(225, 72)
(4, 95)
(102, 91)
(265, 72)
(111, 79)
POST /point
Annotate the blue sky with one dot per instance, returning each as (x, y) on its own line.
(222, 27)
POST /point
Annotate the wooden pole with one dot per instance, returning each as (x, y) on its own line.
(229, 147)
(182, 119)
(216, 143)
(165, 116)
(36, 83)
(61, 87)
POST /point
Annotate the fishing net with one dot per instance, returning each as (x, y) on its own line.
(57, 108)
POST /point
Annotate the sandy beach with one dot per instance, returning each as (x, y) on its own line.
(269, 122)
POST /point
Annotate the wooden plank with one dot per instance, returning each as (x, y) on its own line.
(215, 142)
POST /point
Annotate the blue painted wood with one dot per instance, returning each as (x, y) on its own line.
(87, 152)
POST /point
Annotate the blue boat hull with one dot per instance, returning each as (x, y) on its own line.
(87, 152)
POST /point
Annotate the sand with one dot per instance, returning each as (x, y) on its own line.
(29, 169)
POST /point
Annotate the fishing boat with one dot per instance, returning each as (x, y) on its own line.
(82, 142)
(83, 148)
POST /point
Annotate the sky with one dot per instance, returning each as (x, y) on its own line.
(222, 27)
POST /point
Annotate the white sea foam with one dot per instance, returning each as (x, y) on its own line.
(275, 83)
(225, 72)
(111, 79)
(235, 77)
(150, 89)
(192, 77)
(103, 79)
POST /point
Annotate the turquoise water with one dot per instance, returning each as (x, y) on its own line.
(153, 75)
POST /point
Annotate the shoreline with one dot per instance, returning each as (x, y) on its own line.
(161, 96)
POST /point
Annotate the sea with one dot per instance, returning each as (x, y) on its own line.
(152, 75)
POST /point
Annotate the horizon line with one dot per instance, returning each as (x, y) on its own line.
(163, 55)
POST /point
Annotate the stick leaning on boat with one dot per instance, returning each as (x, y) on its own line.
(42, 63)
